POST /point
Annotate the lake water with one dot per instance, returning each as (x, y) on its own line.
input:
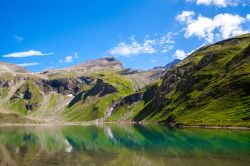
(120, 145)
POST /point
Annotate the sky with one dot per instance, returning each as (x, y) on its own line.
(142, 34)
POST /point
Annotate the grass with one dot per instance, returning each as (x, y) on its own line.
(4, 92)
(52, 100)
(95, 107)
(212, 94)
(19, 104)
(13, 118)
(127, 112)
(131, 110)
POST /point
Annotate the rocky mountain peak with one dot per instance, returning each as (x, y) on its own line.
(100, 64)
(11, 68)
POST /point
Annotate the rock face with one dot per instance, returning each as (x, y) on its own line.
(131, 99)
(100, 89)
(70, 85)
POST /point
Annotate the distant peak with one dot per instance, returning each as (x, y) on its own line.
(11, 68)
(106, 63)
(110, 59)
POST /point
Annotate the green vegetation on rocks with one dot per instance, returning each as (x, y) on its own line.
(94, 102)
(27, 98)
(209, 87)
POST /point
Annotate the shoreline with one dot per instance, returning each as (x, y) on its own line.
(141, 123)
(213, 127)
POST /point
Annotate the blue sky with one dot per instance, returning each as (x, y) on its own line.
(142, 34)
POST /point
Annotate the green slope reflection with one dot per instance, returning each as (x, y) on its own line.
(122, 145)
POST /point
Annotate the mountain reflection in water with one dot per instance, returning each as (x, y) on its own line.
(122, 144)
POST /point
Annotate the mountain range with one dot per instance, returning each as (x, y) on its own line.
(209, 87)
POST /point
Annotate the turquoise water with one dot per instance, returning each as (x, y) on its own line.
(123, 145)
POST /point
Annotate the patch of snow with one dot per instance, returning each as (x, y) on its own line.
(70, 95)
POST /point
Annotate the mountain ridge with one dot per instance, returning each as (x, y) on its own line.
(209, 87)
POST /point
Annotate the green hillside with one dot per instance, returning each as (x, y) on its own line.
(209, 87)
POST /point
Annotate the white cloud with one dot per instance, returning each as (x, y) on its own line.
(166, 39)
(26, 54)
(158, 43)
(133, 48)
(218, 3)
(211, 29)
(29, 64)
(18, 38)
(167, 48)
(69, 59)
(153, 61)
(185, 16)
(180, 54)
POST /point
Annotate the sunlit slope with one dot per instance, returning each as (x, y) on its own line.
(209, 87)
(84, 92)
(93, 102)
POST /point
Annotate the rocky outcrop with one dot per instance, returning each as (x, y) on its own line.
(101, 89)
(28, 95)
(128, 100)
(76, 98)
(69, 85)
(177, 78)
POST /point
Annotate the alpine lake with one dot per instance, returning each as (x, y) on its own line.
(123, 145)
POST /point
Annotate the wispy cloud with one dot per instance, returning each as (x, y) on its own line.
(213, 29)
(18, 38)
(69, 59)
(29, 64)
(150, 45)
(218, 3)
(26, 54)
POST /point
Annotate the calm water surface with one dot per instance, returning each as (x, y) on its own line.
(137, 145)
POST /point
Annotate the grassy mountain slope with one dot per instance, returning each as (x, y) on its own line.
(80, 93)
(92, 105)
(126, 108)
(210, 87)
